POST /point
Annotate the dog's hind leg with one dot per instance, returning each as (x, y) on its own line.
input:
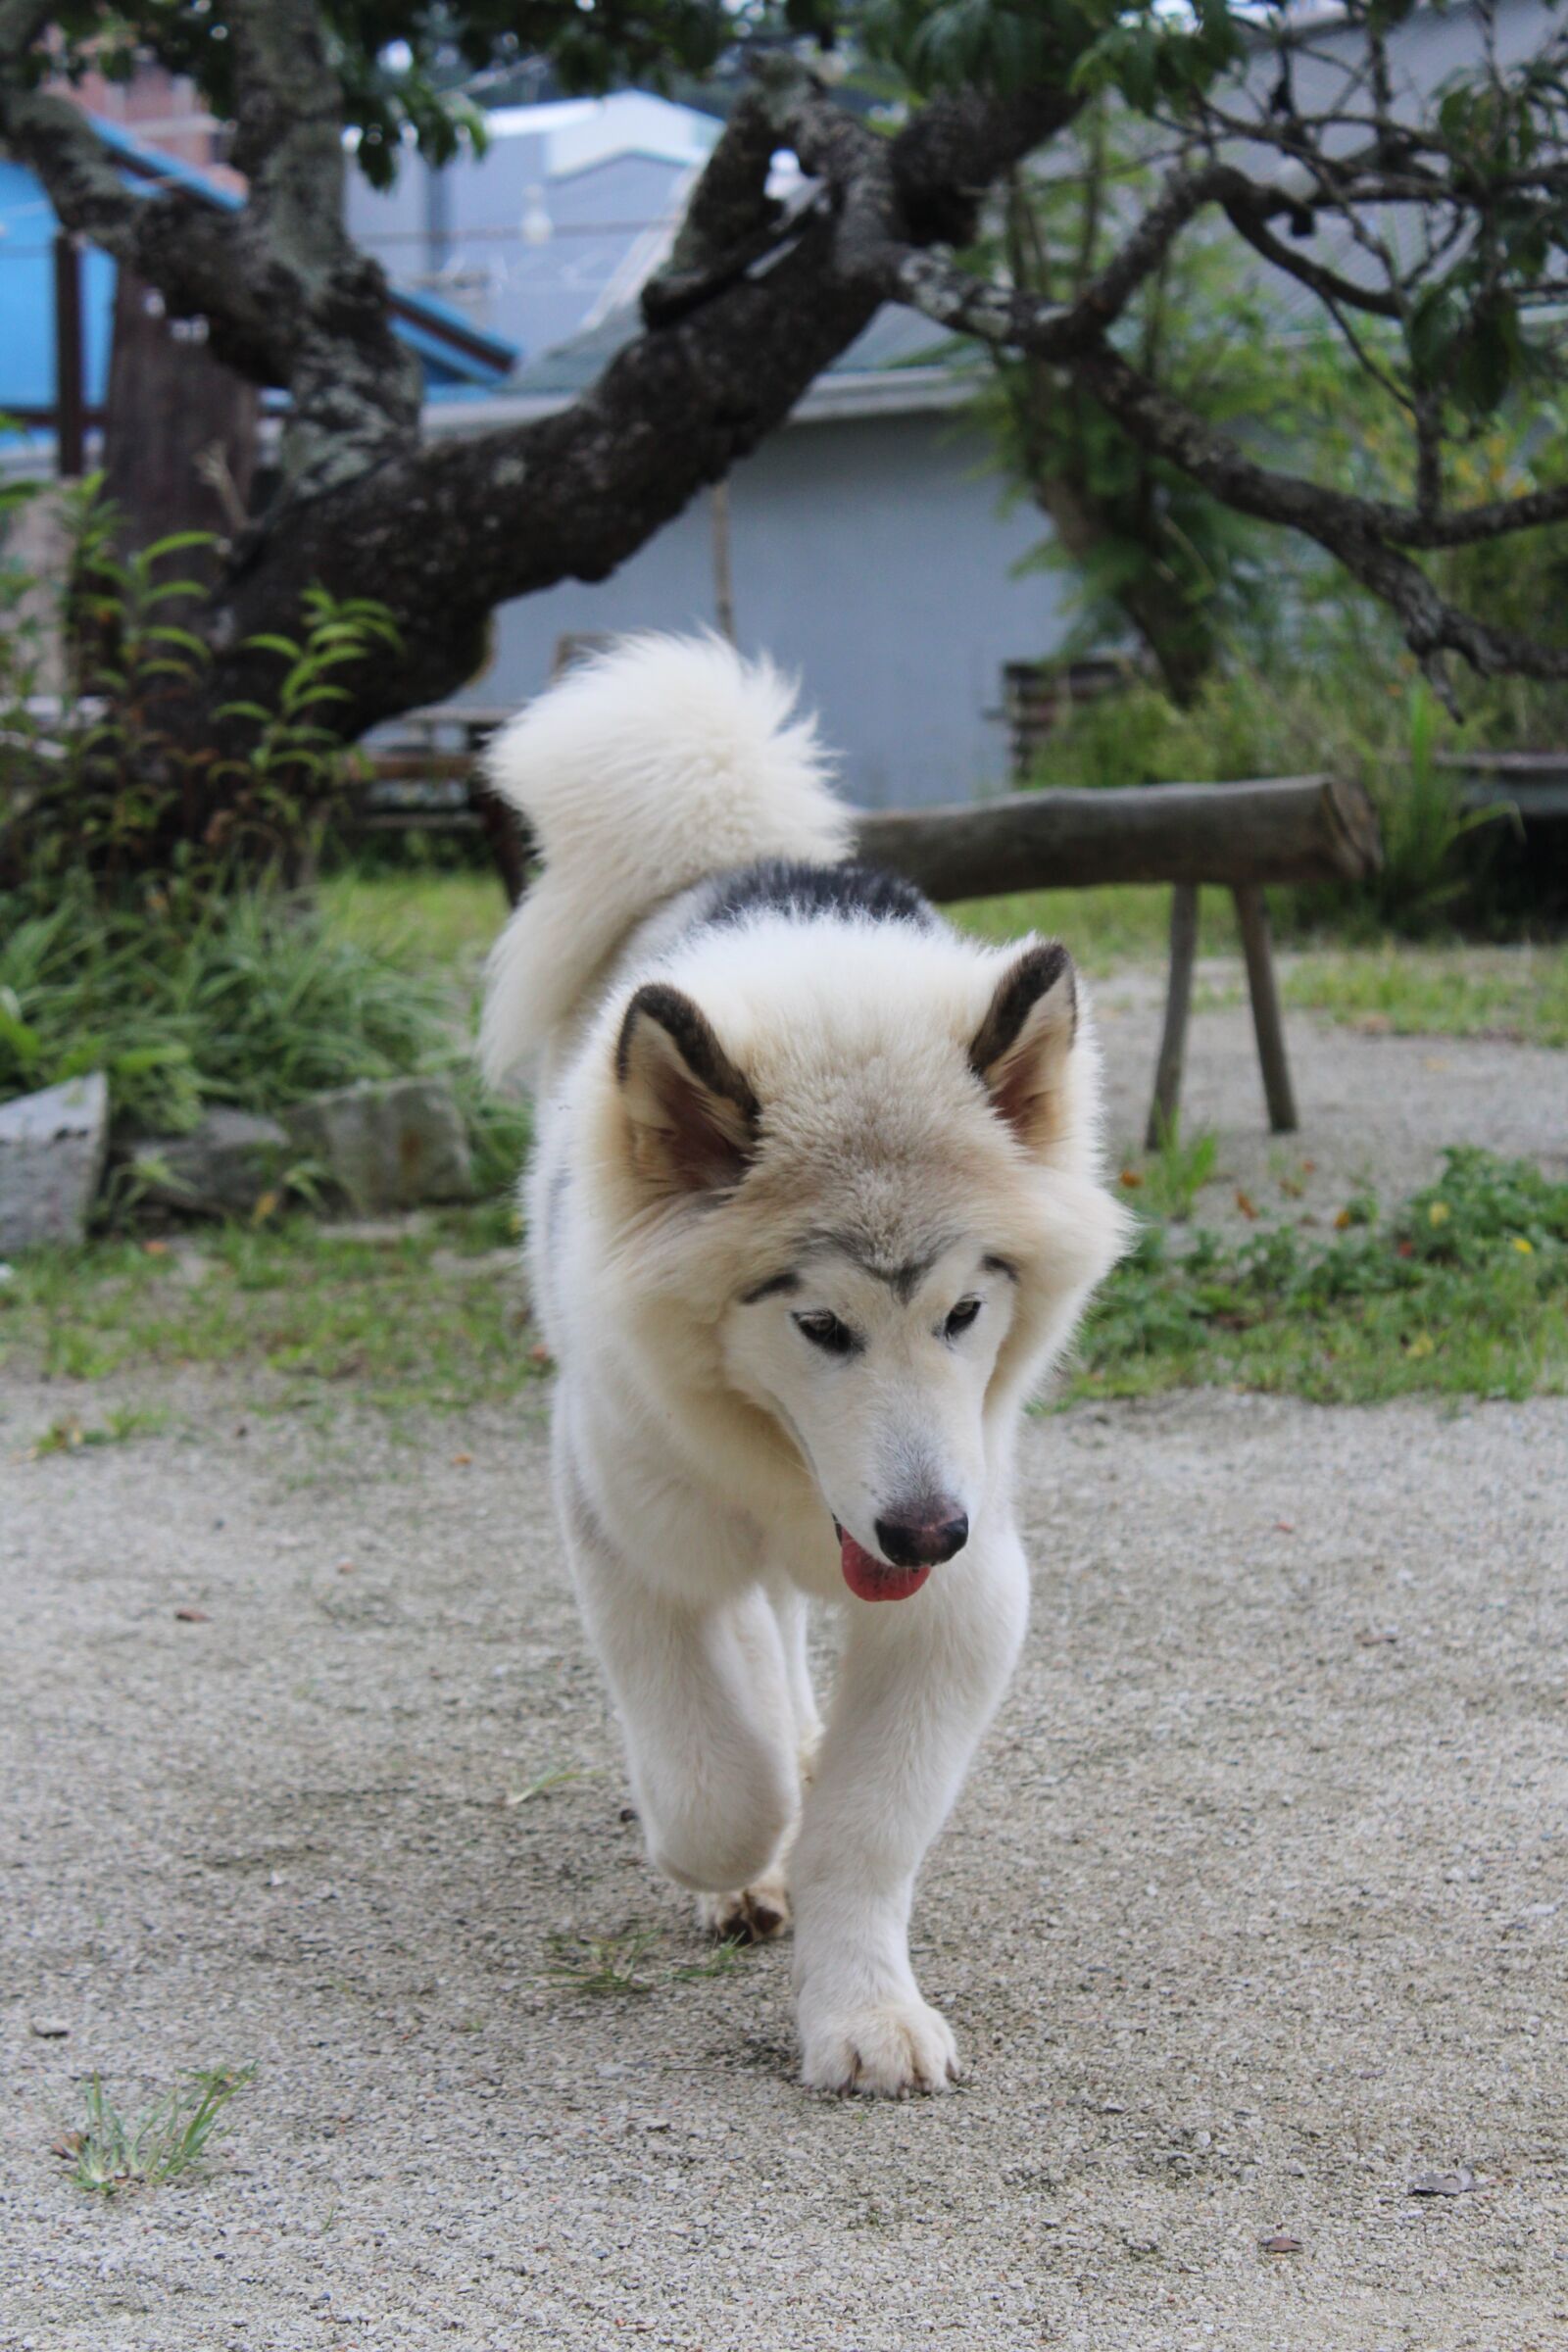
(917, 1683)
(793, 1611)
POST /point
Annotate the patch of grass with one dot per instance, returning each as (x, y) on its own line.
(1453, 992)
(1462, 1291)
(602, 1966)
(109, 2153)
(442, 922)
(1127, 922)
(323, 1317)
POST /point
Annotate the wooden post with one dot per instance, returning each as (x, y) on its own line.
(1178, 1003)
(1252, 913)
(71, 454)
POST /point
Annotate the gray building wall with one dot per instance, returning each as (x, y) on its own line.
(870, 558)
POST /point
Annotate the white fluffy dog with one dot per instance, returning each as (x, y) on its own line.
(813, 1205)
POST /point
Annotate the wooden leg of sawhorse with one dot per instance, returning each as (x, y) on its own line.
(1252, 913)
(1178, 1003)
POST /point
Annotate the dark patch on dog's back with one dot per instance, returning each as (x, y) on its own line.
(789, 885)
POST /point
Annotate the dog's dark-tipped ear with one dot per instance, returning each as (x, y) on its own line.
(693, 1115)
(1022, 1048)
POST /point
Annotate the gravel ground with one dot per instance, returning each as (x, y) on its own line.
(1374, 1110)
(1251, 1919)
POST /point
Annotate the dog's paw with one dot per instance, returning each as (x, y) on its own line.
(888, 2050)
(754, 1914)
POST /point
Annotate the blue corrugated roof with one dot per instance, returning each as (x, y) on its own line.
(456, 355)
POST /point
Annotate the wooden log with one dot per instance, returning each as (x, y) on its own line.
(1252, 913)
(1178, 1003)
(1286, 829)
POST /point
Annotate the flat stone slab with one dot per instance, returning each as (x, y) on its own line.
(388, 1146)
(221, 1169)
(52, 1145)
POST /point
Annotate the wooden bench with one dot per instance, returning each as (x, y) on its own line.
(1535, 783)
(1239, 837)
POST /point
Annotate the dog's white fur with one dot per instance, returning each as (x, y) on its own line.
(831, 1127)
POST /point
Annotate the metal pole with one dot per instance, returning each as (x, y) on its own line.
(723, 578)
(69, 404)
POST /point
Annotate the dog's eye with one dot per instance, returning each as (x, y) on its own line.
(826, 1332)
(962, 1315)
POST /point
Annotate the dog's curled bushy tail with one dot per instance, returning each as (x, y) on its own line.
(641, 773)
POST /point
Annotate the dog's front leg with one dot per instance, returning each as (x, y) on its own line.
(917, 1685)
(702, 1691)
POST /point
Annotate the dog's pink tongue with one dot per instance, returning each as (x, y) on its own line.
(871, 1579)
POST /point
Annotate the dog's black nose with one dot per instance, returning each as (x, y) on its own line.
(924, 1542)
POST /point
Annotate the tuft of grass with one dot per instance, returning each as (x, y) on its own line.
(1176, 1173)
(1464, 1291)
(109, 2153)
(67, 1435)
(722, 1961)
(604, 1966)
(543, 1785)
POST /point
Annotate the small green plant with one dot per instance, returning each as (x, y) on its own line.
(542, 1786)
(1423, 821)
(722, 1961)
(1176, 1172)
(67, 1435)
(128, 776)
(108, 2154)
(293, 766)
(604, 1966)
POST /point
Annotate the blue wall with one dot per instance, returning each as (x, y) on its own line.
(869, 558)
(27, 298)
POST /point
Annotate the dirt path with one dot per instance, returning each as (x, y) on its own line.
(1253, 1916)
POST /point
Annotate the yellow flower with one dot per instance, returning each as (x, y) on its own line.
(1524, 1248)
(1439, 1214)
(1422, 1344)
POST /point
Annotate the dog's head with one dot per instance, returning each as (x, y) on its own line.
(878, 1189)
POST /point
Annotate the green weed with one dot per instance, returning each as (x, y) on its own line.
(67, 1435)
(604, 1966)
(108, 2153)
(722, 1961)
(1176, 1172)
(542, 1786)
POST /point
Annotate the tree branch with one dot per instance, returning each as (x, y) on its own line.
(1366, 536)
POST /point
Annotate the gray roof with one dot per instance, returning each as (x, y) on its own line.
(897, 366)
